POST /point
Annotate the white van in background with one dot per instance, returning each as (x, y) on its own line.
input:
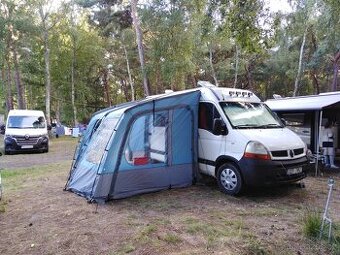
(25, 130)
(242, 143)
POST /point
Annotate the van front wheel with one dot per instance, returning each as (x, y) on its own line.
(229, 179)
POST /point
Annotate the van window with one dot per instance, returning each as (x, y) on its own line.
(146, 143)
(250, 115)
(26, 122)
(207, 114)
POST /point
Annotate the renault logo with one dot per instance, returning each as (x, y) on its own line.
(291, 153)
(27, 137)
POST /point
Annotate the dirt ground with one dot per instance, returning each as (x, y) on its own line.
(58, 151)
(38, 217)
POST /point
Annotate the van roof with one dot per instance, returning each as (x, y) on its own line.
(25, 113)
(211, 92)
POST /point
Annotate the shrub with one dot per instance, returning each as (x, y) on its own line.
(311, 223)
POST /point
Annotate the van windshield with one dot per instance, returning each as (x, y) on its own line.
(244, 115)
(26, 122)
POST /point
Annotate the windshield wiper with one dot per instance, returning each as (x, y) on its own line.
(246, 126)
(270, 125)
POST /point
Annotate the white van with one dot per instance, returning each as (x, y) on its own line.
(242, 143)
(26, 130)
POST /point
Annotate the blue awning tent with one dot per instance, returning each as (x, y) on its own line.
(138, 147)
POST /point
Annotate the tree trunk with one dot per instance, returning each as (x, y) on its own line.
(159, 88)
(139, 39)
(5, 87)
(249, 68)
(73, 63)
(47, 78)
(315, 80)
(73, 88)
(314, 72)
(211, 64)
(125, 89)
(335, 71)
(57, 112)
(236, 65)
(192, 81)
(106, 87)
(9, 97)
(43, 17)
(132, 86)
(19, 86)
(298, 76)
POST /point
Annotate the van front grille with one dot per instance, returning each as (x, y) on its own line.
(21, 140)
(287, 153)
(280, 154)
(298, 151)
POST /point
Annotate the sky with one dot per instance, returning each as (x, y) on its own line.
(279, 5)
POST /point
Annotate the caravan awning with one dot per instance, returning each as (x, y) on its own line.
(305, 103)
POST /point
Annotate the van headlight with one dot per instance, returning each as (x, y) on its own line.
(256, 150)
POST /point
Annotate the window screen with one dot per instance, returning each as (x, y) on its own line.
(147, 140)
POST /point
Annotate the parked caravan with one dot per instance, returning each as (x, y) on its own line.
(307, 116)
(25, 130)
(166, 140)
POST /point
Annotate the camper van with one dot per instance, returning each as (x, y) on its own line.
(242, 143)
(25, 130)
(166, 141)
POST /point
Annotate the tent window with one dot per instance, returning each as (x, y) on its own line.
(102, 136)
(146, 143)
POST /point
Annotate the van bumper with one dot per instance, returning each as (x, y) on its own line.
(268, 172)
(14, 144)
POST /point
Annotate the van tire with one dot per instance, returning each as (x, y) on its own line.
(229, 179)
(7, 152)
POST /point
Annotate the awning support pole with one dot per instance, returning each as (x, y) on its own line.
(318, 145)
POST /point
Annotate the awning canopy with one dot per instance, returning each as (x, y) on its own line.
(305, 103)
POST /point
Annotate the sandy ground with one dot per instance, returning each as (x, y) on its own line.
(58, 151)
(41, 218)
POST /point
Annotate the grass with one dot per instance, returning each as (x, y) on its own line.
(3, 204)
(311, 223)
(171, 238)
(125, 249)
(15, 179)
(221, 230)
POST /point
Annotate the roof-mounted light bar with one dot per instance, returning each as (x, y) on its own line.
(240, 94)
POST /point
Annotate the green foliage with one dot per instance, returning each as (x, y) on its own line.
(184, 41)
(311, 223)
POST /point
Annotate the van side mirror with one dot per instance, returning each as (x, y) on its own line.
(49, 127)
(219, 127)
(2, 129)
